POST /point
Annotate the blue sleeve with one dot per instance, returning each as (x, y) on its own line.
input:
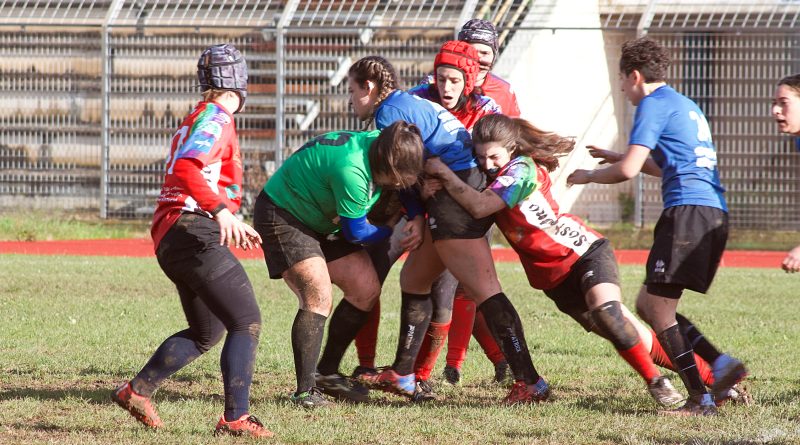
(359, 231)
(648, 123)
(412, 202)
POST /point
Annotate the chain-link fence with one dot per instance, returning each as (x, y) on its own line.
(92, 91)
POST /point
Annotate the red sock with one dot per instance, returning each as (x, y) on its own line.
(640, 360)
(460, 329)
(705, 370)
(484, 336)
(661, 358)
(367, 338)
(431, 347)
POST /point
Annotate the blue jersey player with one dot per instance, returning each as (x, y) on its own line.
(671, 139)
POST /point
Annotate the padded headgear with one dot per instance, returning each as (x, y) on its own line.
(479, 31)
(463, 57)
(222, 67)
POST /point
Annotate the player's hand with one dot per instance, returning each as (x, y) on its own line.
(435, 167)
(605, 156)
(234, 232)
(430, 185)
(579, 177)
(791, 263)
(415, 233)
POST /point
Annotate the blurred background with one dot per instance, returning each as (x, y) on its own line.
(91, 91)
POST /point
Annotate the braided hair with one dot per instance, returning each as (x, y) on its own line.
(378, 70)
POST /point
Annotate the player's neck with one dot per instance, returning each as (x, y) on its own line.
(648, 88)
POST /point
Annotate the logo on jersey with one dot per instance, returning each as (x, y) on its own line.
(505, 181)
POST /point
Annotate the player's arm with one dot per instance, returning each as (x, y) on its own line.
(630, 165)
(478, 204)
(351, 191)
(360, 231)
(611, 157)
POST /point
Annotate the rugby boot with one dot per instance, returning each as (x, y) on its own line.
(727, 371)
(311, 399)
(663, 392)
(390, 381)
(137, 405)
(342, 388)
(695, 406)
(247, 425)
(522, 393)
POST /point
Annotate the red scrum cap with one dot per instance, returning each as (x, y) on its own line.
(461, 56)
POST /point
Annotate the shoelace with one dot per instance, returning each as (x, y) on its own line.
(254, 420)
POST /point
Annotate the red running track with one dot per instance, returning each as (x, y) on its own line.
(144, 248)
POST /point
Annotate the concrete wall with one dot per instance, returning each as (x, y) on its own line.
(563, 79)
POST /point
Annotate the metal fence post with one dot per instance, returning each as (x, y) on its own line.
(105, 51)
(280, 79)
(638, 187)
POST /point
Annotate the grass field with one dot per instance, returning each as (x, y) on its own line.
(71, 328)
(44, 226)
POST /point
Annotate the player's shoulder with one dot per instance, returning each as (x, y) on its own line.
(498, 80)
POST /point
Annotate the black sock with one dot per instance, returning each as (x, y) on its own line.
(677, 347)
(307, 331)
(237, 363)
(346, 321)
(415, 316)
(506, 327)
(174, 353)
(701, 346)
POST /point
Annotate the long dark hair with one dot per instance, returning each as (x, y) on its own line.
(521, 138)
(397, 154)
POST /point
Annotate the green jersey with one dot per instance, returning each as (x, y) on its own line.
(326, 178)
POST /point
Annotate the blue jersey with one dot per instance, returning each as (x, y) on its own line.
(677, 133)
(442, 134)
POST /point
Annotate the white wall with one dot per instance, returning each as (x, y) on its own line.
(562, 82)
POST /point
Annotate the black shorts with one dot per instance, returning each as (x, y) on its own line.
(190, 250)
(448, 220)
(687, 247)
(597, 265)
(286, 241)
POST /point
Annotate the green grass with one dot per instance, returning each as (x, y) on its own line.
(48, 226)
(71, 328)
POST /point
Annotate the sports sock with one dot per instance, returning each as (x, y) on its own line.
(506, 327)
(699, 343)
(660, 358)
(680, 352)
(640, 360)
(174, 353)
(460, 329)
(415, 316)
(237, 362)
(367, 338)
(430, 349)
(484, 336)
(345, 323)
(307, 332)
